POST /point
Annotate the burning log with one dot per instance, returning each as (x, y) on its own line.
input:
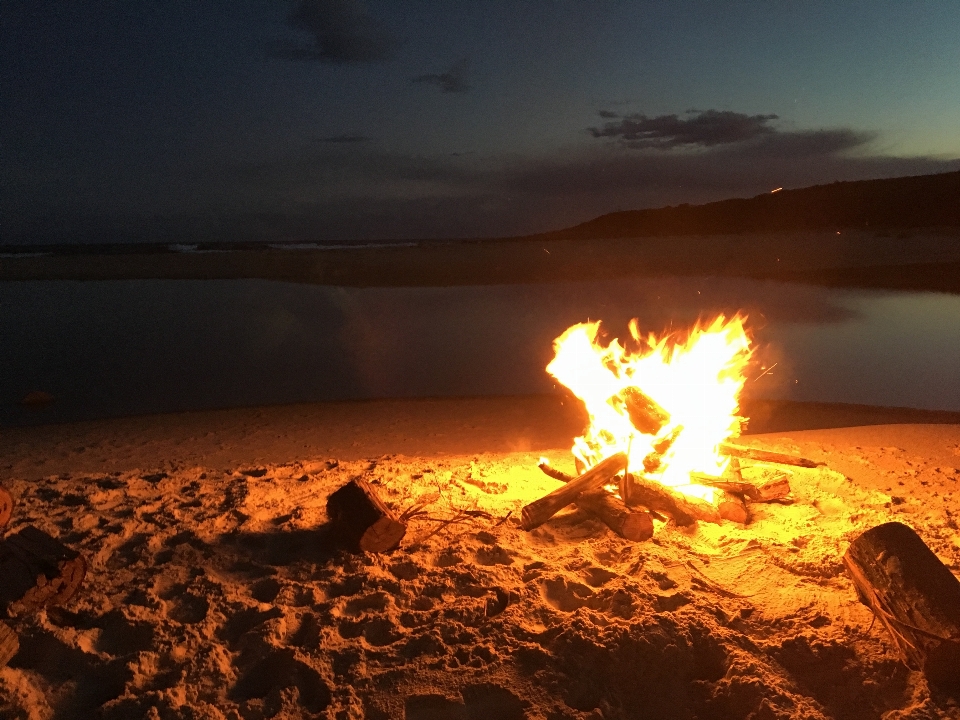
(914, 595)
(37, 570)
(9, 644)
(612, 511)
(651, 463)
(363, 518)
(539, 511)
(749, 453)
(644, 412)
(684, 509)
(6, 507)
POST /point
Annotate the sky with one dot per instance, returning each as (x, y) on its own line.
(365, 120)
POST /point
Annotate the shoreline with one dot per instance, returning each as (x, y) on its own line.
(921, 261)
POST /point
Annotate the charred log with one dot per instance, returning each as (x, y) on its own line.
(644, 412)
(914, 595)
(749, 453)
(363, 519)
(628, 523)
(683, 509)
(9, 644)
(653, 460)
(539, 511)
(37, 570)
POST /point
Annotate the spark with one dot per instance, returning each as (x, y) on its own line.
(765, 371)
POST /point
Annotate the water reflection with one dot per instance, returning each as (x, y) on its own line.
(128, 347)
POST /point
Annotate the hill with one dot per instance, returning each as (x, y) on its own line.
(924, 201)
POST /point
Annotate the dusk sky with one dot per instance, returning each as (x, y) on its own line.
(344, 120)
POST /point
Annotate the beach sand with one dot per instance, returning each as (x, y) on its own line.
(216, 589)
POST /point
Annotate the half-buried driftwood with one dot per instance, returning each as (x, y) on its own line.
(363, 519)
(771, 489)
(749, 453)
(914, 595)
(628, 523)
(9, 644)
(732, 507)
(37, 570)
(6, 507)
(539, 511)
(683, 509)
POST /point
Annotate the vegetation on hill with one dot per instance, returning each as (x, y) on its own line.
(924, 201)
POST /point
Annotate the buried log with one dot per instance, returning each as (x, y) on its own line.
(628, 523)
(539, 511)
(37, 570)
(9, 644)
(749, 453)
(914, 595)
(6, 507)
(683, 509)
(363, 519)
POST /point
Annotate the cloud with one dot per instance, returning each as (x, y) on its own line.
(344, 139)
(704, 128)
(607, 114)
(452, 81)
(342, 31)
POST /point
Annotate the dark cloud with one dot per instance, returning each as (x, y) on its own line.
(702, 128)
(452, 81)
(345, 139)
(342, 32)
(607, 114)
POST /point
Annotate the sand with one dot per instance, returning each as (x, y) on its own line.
(216, 590)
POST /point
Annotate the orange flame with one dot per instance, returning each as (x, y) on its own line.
(697, 382)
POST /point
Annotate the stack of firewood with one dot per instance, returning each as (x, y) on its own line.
(641, 497)
(36, 570)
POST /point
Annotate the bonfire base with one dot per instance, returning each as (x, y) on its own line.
(914, 595)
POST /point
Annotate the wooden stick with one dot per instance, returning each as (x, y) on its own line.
(6, 507)
(628, 523)
(684, 509)
(914, 595)
(37, 570)
(539, 511)
(749, 453)
(644, 412)
(363, 518)
(9, 644)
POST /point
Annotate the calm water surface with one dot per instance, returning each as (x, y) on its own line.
(133, 347)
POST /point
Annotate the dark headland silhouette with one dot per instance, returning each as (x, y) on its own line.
(906, 203)
(900, 233)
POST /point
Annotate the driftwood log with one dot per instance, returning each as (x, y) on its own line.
(628, 523)
(363, 519)
(914, 595)
(9, 644)
(683, 509)
(749, 453)
(6, 507)
(37, 570)
(769, 490)
(732, 507)
(539, 511)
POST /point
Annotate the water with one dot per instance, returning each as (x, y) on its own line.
(132, 347)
